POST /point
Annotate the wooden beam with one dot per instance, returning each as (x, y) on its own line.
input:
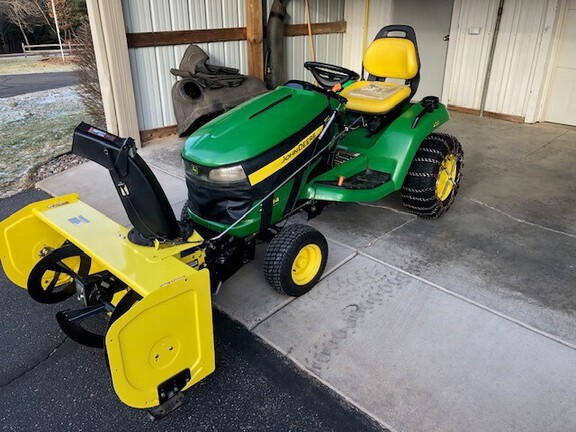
(255, 38)
(162, 132)
(490, 114)
(184, 37)
(507, 117)
(318, 28)
(463, 110)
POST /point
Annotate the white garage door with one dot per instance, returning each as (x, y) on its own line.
(561, 103)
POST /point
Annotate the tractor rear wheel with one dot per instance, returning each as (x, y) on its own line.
(295, 260)
(433, 179)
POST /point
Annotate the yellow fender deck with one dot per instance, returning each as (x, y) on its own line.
(166, 332)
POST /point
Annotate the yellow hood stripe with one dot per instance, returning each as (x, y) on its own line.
(279, 163)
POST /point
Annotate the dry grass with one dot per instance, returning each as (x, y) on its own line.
(35, 127)
(87, 75)
(35, 64)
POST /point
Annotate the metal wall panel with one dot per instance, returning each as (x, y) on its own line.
(516, 55)
(150, 67)
(471, 51)
(379, 15)
(327, 47)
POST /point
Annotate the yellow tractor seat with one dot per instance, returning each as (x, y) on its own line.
(394, 57)
(375, 97)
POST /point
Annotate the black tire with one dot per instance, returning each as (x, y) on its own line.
(429, 188)
(50, 269)
(281, 255)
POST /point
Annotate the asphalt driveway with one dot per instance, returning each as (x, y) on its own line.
(14, 85)
(48, 382)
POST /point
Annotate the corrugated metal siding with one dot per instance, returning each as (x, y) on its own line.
(328, 47)
(151, 66)
(471, 51)
(379, 15)
(516, 56)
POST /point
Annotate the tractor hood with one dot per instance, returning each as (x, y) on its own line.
(254, 127)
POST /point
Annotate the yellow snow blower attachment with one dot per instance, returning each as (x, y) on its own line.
(151, 281)
(159, 337)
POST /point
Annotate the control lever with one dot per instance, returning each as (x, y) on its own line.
(430, 103)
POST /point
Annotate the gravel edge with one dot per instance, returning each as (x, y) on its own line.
(47, 169)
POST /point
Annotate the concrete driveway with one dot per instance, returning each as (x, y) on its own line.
(467, 323)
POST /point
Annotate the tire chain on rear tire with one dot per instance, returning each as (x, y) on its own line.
(420, 184)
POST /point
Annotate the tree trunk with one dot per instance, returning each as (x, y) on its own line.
(46, 18)
(19, 24)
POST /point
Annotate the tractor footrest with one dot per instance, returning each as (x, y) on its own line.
(368, 179)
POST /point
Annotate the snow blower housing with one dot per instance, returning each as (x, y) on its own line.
(247, 171)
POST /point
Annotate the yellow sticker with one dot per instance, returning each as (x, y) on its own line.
(279, 163)
(275, 201)
(436, 124)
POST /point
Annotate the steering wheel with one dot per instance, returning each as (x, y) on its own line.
(329, 75)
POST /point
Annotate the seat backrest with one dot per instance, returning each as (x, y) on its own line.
(394, 56)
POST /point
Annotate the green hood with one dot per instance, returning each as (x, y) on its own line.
(253, 127)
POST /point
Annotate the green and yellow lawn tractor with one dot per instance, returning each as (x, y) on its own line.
(248, 171)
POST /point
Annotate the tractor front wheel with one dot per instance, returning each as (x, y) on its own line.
(433, 179)
(295, 260)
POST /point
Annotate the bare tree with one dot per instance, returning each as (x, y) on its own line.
(64, 12)
(5, 25)
(25, 14)
(43, 10)
(87, 74)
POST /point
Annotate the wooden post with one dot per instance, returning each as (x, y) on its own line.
(255, 38)
(111, 51)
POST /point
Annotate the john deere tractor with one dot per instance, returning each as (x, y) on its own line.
(291, 150)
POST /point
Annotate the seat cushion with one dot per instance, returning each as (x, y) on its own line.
(375, 97)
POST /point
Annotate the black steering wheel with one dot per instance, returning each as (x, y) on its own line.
(328, 75)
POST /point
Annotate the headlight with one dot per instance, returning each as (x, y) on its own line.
(233, 174)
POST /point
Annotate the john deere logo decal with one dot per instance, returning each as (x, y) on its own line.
(195, 169)
(301, 146)
(282, 161)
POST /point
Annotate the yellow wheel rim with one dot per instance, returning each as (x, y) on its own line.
(306, 265)
(447, 177)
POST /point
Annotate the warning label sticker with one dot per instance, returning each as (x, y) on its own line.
(78, 220)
